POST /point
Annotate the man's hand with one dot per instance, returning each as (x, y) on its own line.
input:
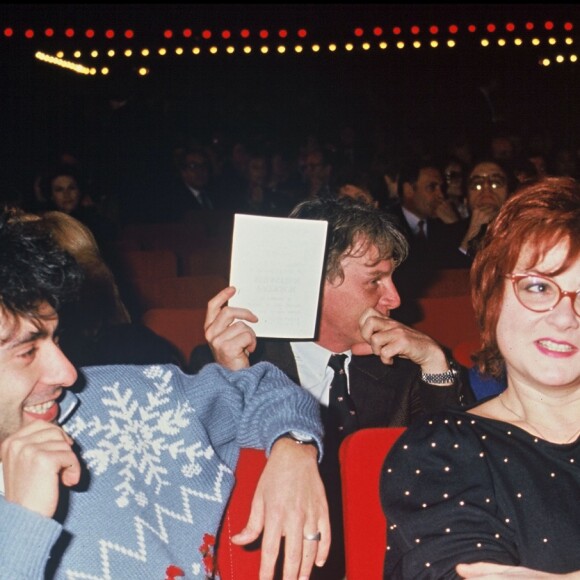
(289, 502)
(480, 216)
(446, 212)
(489, 571)
(35, 461)
(231, 340)
(388, 338)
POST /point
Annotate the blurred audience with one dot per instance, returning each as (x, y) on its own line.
(319, 172)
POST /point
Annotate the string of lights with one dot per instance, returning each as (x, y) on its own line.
(92, 50)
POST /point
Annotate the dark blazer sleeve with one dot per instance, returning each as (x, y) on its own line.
(199, 357)
(394, 395)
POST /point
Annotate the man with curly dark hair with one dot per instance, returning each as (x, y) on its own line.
(144, 447)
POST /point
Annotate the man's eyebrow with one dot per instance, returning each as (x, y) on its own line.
(12, 342)
(379, 272)
(492, 174)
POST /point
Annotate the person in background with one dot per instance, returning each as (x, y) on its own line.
(64, 190)
(455, 190)
(488, 186)
(130, 477)
(523, 170)
(431, 225)
(357, 186)
(285, 181)
(490, 491)
(319, 174)
(254, 195)
(189, 188)
(97, 328)
(393, 373)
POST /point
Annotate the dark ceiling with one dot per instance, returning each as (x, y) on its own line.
(425, 90)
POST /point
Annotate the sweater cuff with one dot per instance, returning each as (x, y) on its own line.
(26, 539)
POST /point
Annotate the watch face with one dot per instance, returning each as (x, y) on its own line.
(301, 436)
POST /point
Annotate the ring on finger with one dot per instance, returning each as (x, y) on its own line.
(313, 537)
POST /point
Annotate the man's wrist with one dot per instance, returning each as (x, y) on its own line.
(300, 438)
(443, 379)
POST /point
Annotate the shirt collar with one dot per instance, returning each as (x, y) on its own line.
(68, 403)
(411, 218)
(314, 356)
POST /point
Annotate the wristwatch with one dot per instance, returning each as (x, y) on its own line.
(300, 437)
(443, 379)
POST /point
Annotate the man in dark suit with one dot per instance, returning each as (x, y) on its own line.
(427, 218)
(188, 189)
(432, 227)
(394, 373)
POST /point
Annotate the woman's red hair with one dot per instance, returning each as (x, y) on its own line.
(538, 216)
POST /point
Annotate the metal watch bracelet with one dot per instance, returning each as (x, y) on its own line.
(446, 378)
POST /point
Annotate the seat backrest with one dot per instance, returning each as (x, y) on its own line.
(362, 454)
(146, 263)
(448, 282)
(449, 320)
(183, 327)
(214, 259)
(177, 291)
(240, 562)
(436, 283)
(464, 349)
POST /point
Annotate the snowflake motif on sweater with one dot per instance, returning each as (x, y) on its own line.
(158, 449)
(136, 438)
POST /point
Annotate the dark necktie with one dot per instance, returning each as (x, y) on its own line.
(340, 407)
(421, 233)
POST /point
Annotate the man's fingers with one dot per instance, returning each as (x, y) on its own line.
(228, 316)
(254, 525)
(361, 349)
(71, 473)
(324, 544)
(35, 460)
(215, 305)
(270, 550)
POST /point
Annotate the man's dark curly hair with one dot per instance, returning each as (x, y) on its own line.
(33, 269)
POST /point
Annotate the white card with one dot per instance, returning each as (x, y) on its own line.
(277, 269)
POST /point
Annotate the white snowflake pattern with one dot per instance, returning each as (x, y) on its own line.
(138, 438)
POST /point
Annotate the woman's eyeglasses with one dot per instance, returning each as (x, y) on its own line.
(540, 293)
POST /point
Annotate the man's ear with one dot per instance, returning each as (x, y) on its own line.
(408, 190)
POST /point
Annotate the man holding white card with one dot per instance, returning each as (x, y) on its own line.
(393, 372)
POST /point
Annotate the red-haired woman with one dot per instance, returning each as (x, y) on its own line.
(492, 491)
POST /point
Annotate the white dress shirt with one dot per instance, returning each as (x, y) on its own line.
(413, 222)
(313, 370)
(197, 195)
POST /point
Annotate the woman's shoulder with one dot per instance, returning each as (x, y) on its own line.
(450, 428)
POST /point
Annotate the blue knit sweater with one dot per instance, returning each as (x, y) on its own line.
(159, 449)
